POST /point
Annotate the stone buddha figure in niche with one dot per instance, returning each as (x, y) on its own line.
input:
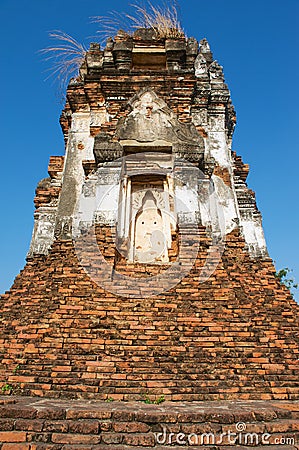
(150, 244)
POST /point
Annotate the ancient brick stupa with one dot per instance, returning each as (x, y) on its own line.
(148, 271)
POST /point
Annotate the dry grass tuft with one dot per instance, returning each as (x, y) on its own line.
(164, 20)
(66, 58)
(111, 24)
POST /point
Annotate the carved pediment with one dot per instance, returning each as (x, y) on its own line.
(153, 124)
(151, 120)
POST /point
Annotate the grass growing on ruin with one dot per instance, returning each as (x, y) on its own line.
(145, 398)
(163, 20)
(66, 57)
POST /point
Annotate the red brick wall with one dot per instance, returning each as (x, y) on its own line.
(234, 336)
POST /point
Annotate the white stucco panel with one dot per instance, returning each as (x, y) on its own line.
(218, 148)
(254, 236)
(186, 199)
(226, 206)
(107, 198)
(81, 122)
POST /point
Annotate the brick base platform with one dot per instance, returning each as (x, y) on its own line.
(42, 424)
(233, 337)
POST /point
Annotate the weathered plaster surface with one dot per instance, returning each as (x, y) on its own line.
(202, 138)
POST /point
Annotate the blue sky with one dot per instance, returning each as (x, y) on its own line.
(257, 44)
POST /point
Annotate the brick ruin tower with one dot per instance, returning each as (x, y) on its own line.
(148, 271)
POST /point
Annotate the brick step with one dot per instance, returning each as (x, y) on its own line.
(127, 393)
(45, 424)
(136, 377)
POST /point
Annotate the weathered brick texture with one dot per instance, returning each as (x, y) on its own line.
(235, 336)
(46, 191)
(116, 425)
